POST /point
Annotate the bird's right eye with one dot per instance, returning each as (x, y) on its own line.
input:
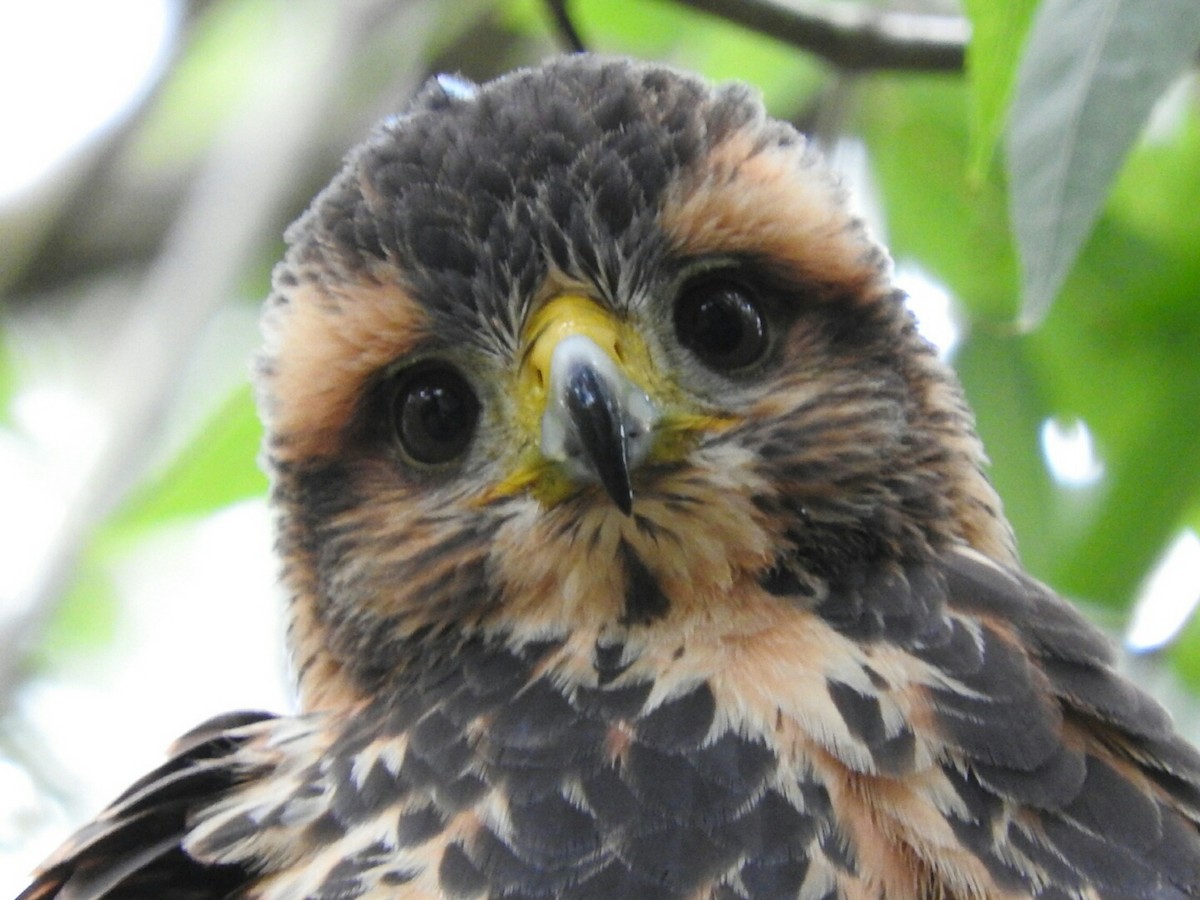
(434, 412)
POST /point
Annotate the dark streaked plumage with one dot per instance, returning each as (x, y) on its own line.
(803, 663)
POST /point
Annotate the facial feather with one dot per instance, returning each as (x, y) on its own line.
(416, 252)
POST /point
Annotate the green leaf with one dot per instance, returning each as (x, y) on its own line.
(997, 32)
(1091, 73)
(217, 468)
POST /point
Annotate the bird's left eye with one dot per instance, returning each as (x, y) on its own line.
(434, 413)
(722, 323)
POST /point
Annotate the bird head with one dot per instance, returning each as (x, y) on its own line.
(594, 349)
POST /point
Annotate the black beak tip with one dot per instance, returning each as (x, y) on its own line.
(623, 498)
(598, 423)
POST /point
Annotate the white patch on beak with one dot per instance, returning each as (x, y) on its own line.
(634, 414)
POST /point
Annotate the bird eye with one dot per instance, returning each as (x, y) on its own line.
(434, 412)
(720, 321)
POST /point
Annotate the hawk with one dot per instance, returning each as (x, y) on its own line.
(638, 547)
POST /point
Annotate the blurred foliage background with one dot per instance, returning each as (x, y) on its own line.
(1037, 184)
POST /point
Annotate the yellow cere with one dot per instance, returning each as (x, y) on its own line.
(575, 314)
(562, 317)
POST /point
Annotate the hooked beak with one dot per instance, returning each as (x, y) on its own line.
(585, 417)
(598, 424)
(590, 407)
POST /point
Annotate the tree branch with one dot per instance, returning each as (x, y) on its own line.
(567, 32)
(855, 37)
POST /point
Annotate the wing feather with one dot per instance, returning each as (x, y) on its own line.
(1092, 787)
(133, 848)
